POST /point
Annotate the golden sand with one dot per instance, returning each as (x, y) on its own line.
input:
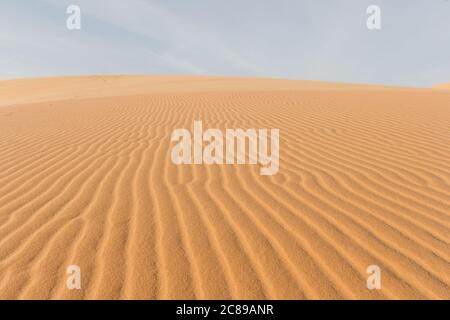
(86, 179)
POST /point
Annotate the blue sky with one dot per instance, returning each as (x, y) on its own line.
(296, 39)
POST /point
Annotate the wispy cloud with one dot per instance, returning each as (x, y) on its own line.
(303, 39)
(173, 39)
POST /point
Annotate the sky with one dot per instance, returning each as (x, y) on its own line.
(324, 40)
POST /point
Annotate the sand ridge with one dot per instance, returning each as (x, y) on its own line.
(86, 179)
(445, 86)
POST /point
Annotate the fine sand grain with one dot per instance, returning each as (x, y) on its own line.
(86, 179)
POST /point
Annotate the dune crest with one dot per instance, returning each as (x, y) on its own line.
(87, 179)
(445, 86)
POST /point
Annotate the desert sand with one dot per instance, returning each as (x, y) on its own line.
(445, 86)
(86, 179)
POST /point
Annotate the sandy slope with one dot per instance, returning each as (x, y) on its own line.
(445, 86)
(86, 179)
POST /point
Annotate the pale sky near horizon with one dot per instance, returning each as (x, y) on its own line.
(296, 39)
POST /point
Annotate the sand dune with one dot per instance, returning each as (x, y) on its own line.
(86, 179)
(445, 86)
